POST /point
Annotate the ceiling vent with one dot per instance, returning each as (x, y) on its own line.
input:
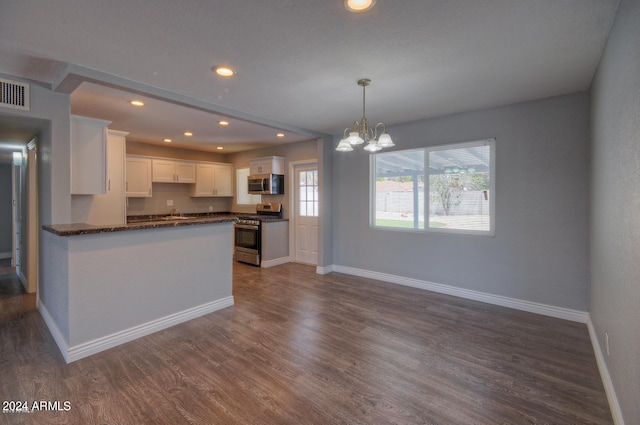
(14, 95)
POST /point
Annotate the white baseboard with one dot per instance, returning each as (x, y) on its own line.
(614, 405)
(86, 349)
(324, 269)
(60, 340)
(4, 255)
(24, 281)
(275, 262)
(532, 307)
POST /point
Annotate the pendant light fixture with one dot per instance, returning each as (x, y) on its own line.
(361, 132)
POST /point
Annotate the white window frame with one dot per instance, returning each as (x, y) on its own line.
(426, 216)
(243, 197)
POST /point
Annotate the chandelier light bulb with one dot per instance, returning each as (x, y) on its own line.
(372, 147)
(355, 139)
(344, 146)
(384, 141)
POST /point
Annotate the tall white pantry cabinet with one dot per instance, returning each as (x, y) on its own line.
(106, 205)
(88, 155)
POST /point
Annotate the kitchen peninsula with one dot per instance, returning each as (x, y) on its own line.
(111, 284)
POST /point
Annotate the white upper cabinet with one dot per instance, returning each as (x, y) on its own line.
(172, 171)
(267, 165)
(185, 172)
(138, 181)
(213, 180)
(223, 178)
(88, 156)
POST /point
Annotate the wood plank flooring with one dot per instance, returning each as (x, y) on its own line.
(302, 348)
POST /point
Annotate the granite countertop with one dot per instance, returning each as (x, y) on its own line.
(138, 223)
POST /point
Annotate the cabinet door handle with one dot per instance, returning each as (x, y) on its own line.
(126, 186)
(109, 185)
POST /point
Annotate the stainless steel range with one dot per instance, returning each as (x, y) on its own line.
(248, 233)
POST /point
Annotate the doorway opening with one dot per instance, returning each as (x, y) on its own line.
(7, 258)
(19, 224)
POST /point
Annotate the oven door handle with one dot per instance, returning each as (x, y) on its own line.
(246, 226)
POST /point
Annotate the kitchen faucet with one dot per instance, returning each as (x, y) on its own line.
(174, 212)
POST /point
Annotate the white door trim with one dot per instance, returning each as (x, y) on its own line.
(32, 225)
(292, 201)
(15, 194)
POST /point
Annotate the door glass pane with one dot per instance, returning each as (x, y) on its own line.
(308, 193)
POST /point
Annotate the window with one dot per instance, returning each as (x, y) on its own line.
(455, 195)
(242, 189)
(308, 199)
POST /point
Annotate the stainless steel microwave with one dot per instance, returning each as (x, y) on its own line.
(266, 184)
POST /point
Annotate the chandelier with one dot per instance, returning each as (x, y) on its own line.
(361, 132)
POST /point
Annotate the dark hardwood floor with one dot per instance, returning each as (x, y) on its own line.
(302, 348)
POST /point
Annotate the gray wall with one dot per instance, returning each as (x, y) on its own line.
(5, 208)
(540, 249)
(615, 203)
(325, 173)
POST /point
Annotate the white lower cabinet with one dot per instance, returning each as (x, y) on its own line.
(275, 243)
(213, 180)
(138, 183)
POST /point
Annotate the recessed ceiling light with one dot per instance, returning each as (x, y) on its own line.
(219, 148)
(188, 133)
(359, 5)
(167, 140)
(223, 123)
(280, 135)
(137, 103)
(224, 71)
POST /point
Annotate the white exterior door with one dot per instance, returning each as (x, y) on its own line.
(306, 210)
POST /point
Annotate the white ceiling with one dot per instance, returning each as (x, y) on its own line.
(158, 120)
(298, 61)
